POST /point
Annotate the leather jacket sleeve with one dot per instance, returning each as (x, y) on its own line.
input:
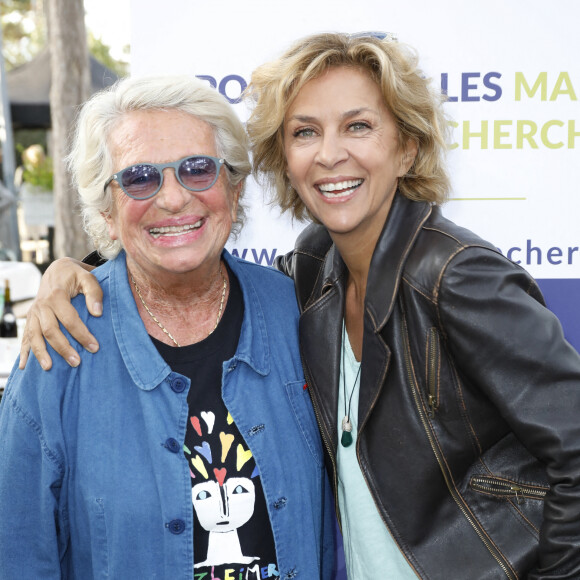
(283, 263)
(94, 259)
(507, 344)
(314, 243)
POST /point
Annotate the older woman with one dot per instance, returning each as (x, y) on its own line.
(186, 447)
(446, 394)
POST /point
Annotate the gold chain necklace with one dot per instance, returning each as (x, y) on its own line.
(161, 325)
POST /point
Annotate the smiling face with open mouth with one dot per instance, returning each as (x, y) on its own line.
(176, 230)
(342, 151)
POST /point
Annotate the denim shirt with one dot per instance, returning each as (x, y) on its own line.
(93, 479)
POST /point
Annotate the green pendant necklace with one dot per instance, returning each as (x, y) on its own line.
(346, 438)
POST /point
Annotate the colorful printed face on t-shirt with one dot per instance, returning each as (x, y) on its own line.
(224, 508)
(223, 493)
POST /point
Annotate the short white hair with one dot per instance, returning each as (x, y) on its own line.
(90, 162)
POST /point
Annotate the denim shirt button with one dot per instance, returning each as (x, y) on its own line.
(178, 385)
(172, 445)
(280, 503)
(176, 526)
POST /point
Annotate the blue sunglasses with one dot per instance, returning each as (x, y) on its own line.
(144, 180)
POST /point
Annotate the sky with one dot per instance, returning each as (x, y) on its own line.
(110, 20)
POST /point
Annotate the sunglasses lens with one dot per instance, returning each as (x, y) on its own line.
(198, 173)
(140, 181)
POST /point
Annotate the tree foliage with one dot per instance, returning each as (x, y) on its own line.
(23, 30)
(24, 34)
(102, 53)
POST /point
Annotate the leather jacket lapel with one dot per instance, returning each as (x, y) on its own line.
(399, 233)
(395, 242)
(321, 339)
(321, 320)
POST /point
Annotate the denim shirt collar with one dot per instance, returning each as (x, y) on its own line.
(145, 365)
(253, 345)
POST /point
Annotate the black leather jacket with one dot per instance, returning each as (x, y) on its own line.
(469, 413)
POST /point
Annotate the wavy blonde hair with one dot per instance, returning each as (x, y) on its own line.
(416, 108)
(90, 161)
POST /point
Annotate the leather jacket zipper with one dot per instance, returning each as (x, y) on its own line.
(432, 371)
(454, 494)
(506, 488)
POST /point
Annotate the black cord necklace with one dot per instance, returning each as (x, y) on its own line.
(346, 438)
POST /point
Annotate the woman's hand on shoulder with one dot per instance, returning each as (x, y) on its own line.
(62, 281)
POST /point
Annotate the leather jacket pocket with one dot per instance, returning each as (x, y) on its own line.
(504, 488)
(433, 363)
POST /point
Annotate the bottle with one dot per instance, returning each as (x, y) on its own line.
(8, 327)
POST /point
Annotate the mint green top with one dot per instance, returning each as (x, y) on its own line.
(369, 549)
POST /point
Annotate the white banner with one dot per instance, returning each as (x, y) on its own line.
(511, 73)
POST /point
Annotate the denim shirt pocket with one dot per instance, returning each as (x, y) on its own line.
(304, 414)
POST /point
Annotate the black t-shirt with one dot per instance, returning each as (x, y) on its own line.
(232, 532)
